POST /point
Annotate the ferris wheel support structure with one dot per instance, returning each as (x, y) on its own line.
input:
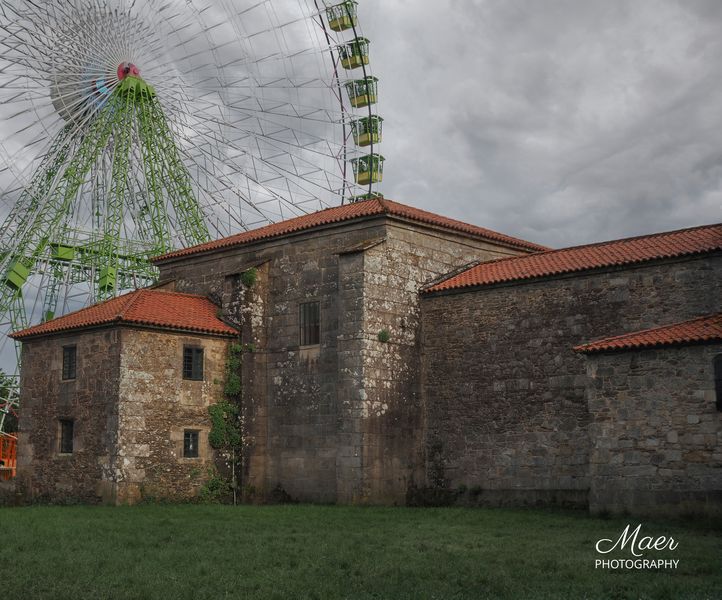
(137, 128)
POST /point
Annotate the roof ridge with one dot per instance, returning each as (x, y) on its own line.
(426, 216)
(383, 203)
(155, 308)
(133, 297)
(173, 293)
(349, 212)
(457, 271)
(97, 304)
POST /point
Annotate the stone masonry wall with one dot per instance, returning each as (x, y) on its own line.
(44, 474)
(325, 422)
(504, 393)
(655, 431)
(155, 406)
(391, 421)
(290, 394)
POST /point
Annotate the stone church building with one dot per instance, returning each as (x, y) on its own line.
(391, 356)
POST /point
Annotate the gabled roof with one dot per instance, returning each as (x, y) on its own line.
(348, 212)
(683, 242)
(154, 308)
(704, 329)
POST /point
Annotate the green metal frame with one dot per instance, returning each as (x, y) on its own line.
(42, 243)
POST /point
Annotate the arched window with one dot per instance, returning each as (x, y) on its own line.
(718, 380)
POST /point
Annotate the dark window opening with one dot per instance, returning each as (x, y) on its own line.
(66, 436)
(309, 319)
(718, 380)
(193, 363)
(190, 444)
(70, 362)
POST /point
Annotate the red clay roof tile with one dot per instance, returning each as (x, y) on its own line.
(696, 240)
(348, 212)
(156, 308)
(704, 329)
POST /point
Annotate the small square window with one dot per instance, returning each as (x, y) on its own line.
(190, 443)
(309, 323)
(193, 363)
(69, 362)
(66, 436)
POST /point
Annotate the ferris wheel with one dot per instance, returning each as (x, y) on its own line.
(130, 128)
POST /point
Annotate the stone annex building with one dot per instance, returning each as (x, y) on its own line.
(395, 356)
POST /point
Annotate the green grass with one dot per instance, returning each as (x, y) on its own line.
(284, 552)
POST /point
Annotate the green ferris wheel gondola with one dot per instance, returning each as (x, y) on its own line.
(367, 130)
(368, 169)
(354, 54)
(363, 92)
(343, 16)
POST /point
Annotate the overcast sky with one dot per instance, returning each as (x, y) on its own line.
(563, 122)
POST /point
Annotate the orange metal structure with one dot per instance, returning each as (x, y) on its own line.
(8, 456)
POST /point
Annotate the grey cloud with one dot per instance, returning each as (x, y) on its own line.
(563, 122)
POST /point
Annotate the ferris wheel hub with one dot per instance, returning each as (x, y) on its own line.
(126, 69)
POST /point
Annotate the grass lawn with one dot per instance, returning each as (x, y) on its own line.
(284, 552)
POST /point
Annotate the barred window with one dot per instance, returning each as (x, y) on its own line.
(309, 323)
(69, 362)
(66, 436)
(718, 380)
(190, 443)
(193, 363)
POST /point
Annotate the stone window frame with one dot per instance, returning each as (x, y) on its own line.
(306, 331)
(63, 448)
(191, 375)
(69, 370)
(192, 432)
(717, 368)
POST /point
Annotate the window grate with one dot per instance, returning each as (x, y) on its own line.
(309, 323)
(193, 363)
(70, 362)
(718, 380)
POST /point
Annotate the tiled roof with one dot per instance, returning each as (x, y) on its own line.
(704, 329)
(348, 212)
(696, 240)
(155, 308)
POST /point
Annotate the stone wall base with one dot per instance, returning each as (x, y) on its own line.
(657, 503)
(431, 496)
(523, 498)
(8, 493)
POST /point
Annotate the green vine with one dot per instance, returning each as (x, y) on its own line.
(226, 433)
(248, 278)
(232, 387)
(215, 488)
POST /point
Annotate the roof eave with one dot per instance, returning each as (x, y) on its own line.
(460, 289)
(586, 349)
(121, 323)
